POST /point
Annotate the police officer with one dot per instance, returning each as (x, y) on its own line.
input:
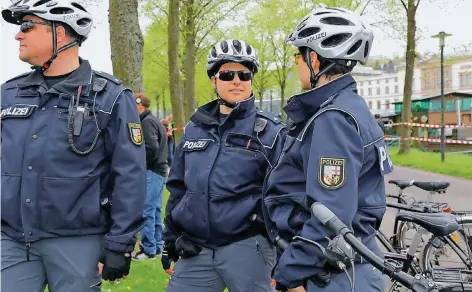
(334, 154)
(216, 184)
(71, 144)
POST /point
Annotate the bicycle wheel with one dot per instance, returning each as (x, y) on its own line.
(438, 254)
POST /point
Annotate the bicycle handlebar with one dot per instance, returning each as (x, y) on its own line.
(332, 222)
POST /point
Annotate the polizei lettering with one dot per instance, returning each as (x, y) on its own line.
(315, 37)
(195, 145)
(16, 112)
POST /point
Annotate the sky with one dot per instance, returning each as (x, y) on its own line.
(453, 17)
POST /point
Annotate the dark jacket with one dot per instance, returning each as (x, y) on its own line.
(155, 140)
(49, 189)
(216, 178)
(381, 125)
(334, 154)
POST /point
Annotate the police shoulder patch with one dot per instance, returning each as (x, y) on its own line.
(332, 172)
(196, 145)
(136, 133)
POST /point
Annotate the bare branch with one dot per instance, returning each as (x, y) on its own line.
(363, 9)
(404, 5)
(215, 23)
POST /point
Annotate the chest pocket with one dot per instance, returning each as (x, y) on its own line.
(244, 143)
(82, 130)
(385, 163)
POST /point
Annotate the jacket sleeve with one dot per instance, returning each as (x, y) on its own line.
(334, 160)
(128, 171)
(151, 139)
(176, 186)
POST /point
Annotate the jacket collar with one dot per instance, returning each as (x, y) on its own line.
(303, 106)
(208, 114)
(144, 114)
(82, 76)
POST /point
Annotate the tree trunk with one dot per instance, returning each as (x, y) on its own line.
(126, 42)
(190, 55)
(157, 105)
(409, 70)
(282, 98)
(174, 72)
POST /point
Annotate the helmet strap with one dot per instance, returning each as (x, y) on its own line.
(55, 52)
(314, 78)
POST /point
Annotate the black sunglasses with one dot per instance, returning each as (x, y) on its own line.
(26, 25)
(228, 75)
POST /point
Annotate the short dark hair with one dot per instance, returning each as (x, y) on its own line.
(145, 101)
(377, 116)
(340, 66)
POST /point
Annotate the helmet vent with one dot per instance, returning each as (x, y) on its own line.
(237, 46)
(78, 6)
(332, 20)
(335, 40)
(248, 49)
(354, 48)
(366, 49)
(61, 10)
(39, 3)
(308, 32)
(84, 22)
(224, 47)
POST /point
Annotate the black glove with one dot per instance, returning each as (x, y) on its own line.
(115, 265)
(168, 256)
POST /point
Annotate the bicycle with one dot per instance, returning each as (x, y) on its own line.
(442, 223)
(436, 245)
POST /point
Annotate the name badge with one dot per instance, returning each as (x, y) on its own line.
(196, 145)
(17, 111)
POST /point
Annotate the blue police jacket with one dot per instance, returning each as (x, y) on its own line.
(334, 154)
(216, 178)
(49, 189)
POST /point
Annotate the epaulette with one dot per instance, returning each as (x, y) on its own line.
(270, 116)
(19, 76)
(109, 77)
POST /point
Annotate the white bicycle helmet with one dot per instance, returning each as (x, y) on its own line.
(56, 11)
(237, 51)
(334, 33)
(64, 11)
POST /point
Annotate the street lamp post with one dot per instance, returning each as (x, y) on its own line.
(441, 36)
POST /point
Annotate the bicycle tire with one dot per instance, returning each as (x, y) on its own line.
(425, 253)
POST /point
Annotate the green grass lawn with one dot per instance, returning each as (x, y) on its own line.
(459, 165)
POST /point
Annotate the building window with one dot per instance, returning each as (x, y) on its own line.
(370, 82)
(396, 79)
(379, 104)
(387, 104)
(387, 80)
(362, 92)
(378, 91)
(396, 88)
(378, 81)
(369, 91)
(466, 79)
(387, 90)
(370, 104)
